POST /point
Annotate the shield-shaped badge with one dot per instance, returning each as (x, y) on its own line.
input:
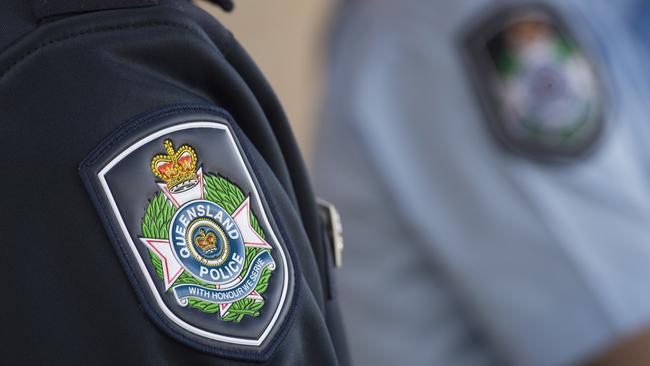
(537, 86)
(196, 235)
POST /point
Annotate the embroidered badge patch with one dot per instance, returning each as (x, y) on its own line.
(194, 230)
(538, 87)
(209, 260)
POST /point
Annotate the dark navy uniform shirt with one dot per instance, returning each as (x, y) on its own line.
(155, 209)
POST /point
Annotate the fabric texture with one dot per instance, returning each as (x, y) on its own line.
(65, 85)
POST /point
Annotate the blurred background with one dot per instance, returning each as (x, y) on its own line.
(469, 146)
(285, 38)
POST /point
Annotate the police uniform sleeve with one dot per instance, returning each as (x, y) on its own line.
(545, 245)
(156, 209)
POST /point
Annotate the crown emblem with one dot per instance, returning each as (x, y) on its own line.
(207, 242)
(177, 168)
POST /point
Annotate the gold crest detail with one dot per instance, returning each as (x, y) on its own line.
(177, 168)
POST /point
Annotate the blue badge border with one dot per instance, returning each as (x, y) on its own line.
(89, 169)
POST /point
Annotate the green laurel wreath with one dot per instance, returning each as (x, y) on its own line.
(155, 225)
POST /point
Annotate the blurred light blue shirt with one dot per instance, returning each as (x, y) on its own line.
(457, 251)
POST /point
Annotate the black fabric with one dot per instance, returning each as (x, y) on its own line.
(226, 5)
(66, 85)
(49, 8)
(16, 20)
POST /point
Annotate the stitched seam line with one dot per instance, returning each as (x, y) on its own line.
(45, 11)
